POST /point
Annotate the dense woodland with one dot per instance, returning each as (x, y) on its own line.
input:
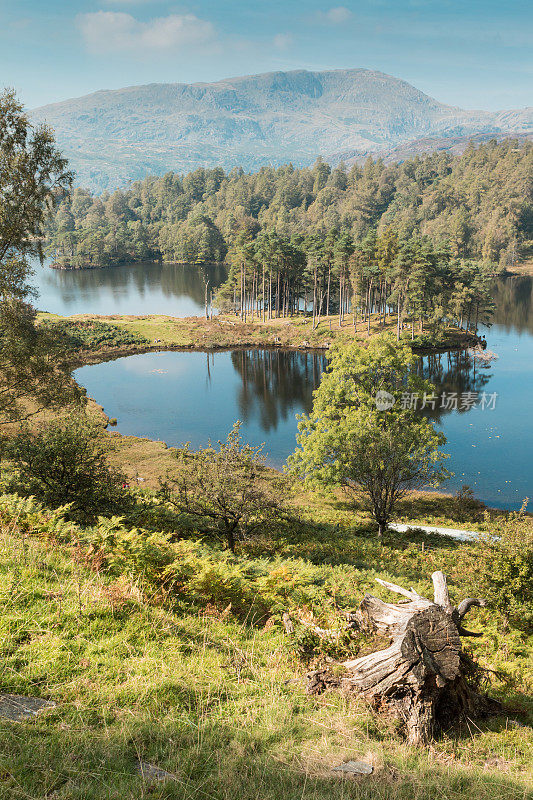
(418, 239)
(481, 202)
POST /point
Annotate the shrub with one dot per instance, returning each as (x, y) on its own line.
(65, 462)
(91, 335)
(224, 490)
(506, 566)
(467, 508)
(186, 572)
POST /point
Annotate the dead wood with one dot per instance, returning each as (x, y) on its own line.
(422, 675)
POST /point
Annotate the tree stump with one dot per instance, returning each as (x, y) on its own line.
(421, 676)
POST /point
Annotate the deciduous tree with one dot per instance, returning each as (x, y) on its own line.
(353, 440)
(32, 175)
(224, 490)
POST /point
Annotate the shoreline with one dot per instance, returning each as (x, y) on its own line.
(55, 265)
(523, 270)
(162, 333)
(156, 455)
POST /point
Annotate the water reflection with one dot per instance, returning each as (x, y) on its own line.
(458, 372)
(175, 289)
(514, 303)
(194, 397)
(272, 382)
(179, 397)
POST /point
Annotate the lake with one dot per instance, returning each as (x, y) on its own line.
(179, 397)
(194, 397)
(174, 289)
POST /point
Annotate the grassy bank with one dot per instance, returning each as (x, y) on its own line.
(95, 338)
(160, 646)
(523, 268)
(214, 695)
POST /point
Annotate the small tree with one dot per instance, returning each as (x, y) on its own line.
(33, 176)
(66, 462)
(347, 441)
(224, 490)
(380, 456)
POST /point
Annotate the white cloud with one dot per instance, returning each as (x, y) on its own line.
(106, 31)
(336, 16)
(282, 41)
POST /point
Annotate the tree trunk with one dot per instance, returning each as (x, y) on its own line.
(398, 319)
(263, 296)
(421, 676)
(206, 283)
(329, 284)
(230, 539)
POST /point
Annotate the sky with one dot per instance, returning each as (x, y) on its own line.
(467, 53)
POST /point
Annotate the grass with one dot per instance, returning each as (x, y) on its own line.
(122, 335)
(524, 268)
(142, 461)
(214, 695)
(219, 702)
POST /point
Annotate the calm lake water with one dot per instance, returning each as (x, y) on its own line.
(175, 289)
(194, 397)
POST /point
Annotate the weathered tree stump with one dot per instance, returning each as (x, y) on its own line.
(421, 676)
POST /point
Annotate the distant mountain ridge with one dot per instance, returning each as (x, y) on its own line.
(111, 137)
(454, 145)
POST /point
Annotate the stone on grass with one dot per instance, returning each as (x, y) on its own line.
(149, 772)
(16, 707)
(354, 768)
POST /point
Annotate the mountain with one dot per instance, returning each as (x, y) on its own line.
(112, 137)
(454, 145)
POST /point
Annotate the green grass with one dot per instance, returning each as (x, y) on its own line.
(97, 337)
(218, 701)
(79, 335)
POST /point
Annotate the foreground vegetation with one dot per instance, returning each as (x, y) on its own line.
(212, 692)
(33, 175)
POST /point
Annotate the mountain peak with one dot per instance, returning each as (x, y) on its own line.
(112, 136)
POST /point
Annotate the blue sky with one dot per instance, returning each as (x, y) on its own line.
(470, 53)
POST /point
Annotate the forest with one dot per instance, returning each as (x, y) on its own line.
(420, 239)
(480, 203)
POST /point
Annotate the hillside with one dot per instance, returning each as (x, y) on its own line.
(454, 145)
(111, 137)
(201, 681)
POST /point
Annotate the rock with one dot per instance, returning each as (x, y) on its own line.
(354, 768)
(149, 772)
(16, 707)
(497, 763)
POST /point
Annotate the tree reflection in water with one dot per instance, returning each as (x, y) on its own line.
(455, 371)
(276, 382)
(513, 298)
(175, 289)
